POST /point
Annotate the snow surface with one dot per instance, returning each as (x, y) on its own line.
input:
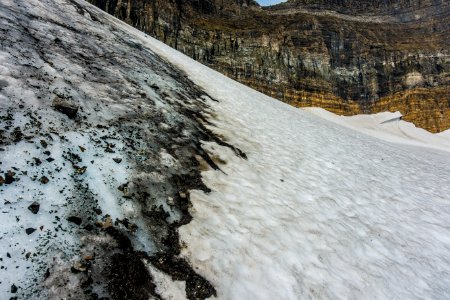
(389, 127)
(318, 211)
(323, 208)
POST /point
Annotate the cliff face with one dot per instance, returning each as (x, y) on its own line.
(346, 56)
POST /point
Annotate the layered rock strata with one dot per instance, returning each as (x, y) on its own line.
(349, 57)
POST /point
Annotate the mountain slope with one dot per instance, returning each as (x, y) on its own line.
(154, 176)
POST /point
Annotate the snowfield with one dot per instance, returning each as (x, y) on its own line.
(316, 206)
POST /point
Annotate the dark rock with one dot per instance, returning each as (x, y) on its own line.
(199, 288)
(44, 180)
(79, 267)
(30, 230)
(14, 289)
(65, 107)
(79, 170)
(109, 150)
(37, 161)
(74, 219)
(50, 159)
(17, 135)
(123, 187)
(117, 160)
(34, 207)
(43, 143)
(9, 177)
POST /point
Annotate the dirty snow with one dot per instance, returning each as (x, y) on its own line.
(323, 208)
(129, 148)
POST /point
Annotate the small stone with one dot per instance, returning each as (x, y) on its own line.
(80, 170)
(34, 207)
(106, 224)
(50, 159)
(37, 161)
(43, 143)
(74, 219)
(170, 201)
(117, 160)
(65, 107)
(79, 267)
(88, 257)
(109, 150)
(30, 230)
(82, 149)
(17, 135)
(44, 180)
(9, 177)
(14, 289)
(2, 180)
(47, 153)
(122, 187)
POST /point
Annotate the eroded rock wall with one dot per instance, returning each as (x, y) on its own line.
(346, 57)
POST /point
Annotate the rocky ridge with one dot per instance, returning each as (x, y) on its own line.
(348, 57)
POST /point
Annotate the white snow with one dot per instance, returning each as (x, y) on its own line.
(324, 208)
(389, 127)
(319, 211)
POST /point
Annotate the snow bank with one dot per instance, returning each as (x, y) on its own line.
(389, 127)
(318, 211)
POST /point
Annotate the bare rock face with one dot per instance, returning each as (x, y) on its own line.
(65, 107)
(349, 57)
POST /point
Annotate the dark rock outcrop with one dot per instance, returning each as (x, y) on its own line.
(348, 57)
